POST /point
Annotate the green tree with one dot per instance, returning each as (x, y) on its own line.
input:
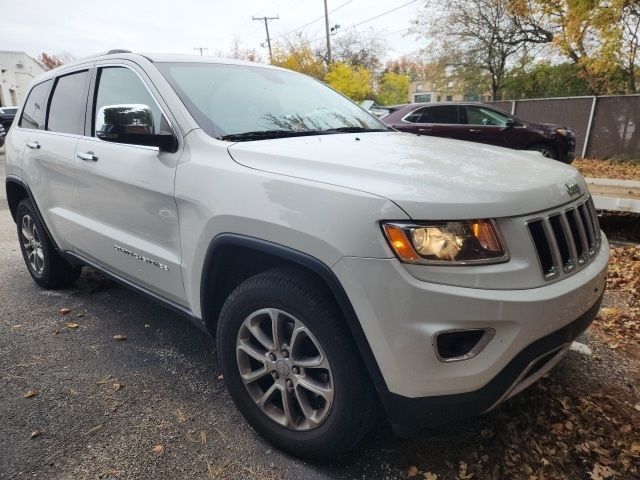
(354, 82)
(393, 88)
(544, 80)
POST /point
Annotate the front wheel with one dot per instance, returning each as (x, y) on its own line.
(546, 150)
(291, 366)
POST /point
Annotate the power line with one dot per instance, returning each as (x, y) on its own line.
(373, 18)
(266, 21)
(312, 21)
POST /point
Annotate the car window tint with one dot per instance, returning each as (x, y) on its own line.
(121, 86)
(67, 105)
(440, 114)
(477, 115)
(415, 116)
(34, 106)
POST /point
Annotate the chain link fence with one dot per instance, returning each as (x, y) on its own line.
(605, 126)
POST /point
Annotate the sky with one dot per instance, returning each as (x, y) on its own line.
(87, 27)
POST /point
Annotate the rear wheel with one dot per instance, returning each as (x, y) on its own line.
(46, 266)
(291, 366)
(546, 150)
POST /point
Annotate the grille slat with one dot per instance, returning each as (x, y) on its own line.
(565, 241)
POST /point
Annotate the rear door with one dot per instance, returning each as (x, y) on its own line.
(48, 165)
(436, 120)
(126, 191)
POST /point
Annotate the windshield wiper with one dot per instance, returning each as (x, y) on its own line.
(266, 134)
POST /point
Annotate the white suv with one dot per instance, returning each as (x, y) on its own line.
(342, 265)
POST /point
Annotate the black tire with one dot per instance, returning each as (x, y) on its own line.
(52, 271)
(546, 150)
(352, 411)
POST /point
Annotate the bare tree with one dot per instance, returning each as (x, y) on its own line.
(484, 36)
(362, 49)
(630, 50)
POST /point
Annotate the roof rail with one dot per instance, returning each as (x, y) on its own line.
(118, 50)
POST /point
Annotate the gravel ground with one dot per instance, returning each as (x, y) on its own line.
(154, 406)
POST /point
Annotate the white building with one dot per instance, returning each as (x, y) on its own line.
(17, 70)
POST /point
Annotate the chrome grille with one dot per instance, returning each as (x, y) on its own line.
(566, 240)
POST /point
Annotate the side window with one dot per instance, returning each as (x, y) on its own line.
(441, 114)
(415, 116)
(121, 92)
(34, 107)
(477, 115)
(68, 103)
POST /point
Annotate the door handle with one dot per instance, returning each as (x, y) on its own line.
(473, 130)
(425, 129)
(87, 156)
(33, 145)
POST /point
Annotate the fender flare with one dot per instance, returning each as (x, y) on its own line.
(304, 260)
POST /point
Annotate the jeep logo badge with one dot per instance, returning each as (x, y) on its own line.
(573, 189)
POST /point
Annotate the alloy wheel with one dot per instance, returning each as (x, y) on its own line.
(32, 245)
(284, 369)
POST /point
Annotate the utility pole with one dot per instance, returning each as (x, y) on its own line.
(266, 21)
(326, 27)
(201, 49)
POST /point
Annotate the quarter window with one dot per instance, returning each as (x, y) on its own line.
(34, 107)
(68, 104)
(120, 86)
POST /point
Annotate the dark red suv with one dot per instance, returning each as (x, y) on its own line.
(481, 123)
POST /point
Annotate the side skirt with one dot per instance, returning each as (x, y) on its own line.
(78, 259)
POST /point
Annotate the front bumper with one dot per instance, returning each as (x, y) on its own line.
(401, 315)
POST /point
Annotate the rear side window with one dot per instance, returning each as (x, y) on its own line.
(68, 103)
(34, 107)
(441, 114)
(477, 115)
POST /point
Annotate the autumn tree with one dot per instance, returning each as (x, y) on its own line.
(393, 88)
(296, 54)
(354, 82)
(51, 61)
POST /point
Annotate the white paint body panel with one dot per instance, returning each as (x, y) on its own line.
(324, 196)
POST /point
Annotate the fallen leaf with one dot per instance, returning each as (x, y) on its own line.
(36, 433)
(181, 416)
(117, 386)
(16, 326)
(72, 325)
(80, 315)
(159, 449)
(30, 393)
(119, 337)
(56, 332)
(430, 476)
(557, 427)
(412, 471)
(220, 377)
(64, 311)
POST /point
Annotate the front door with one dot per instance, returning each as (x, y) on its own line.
(126, 193)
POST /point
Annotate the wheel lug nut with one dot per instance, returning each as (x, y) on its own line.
(285, 353)
(295, 370)
(272, 357)
(275, 375)
(289, 384)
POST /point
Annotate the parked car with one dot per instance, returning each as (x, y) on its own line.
(340, 264)
(7, 114)
(481, 123)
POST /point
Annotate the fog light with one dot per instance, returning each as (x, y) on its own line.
(457, 345)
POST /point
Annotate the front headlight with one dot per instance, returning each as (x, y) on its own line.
(460, 242)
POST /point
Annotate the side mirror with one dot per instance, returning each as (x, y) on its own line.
(132, 124)
(510, 123)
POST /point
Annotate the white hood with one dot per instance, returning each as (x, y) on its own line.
(430, 178)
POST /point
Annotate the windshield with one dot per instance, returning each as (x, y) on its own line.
(239, 102)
